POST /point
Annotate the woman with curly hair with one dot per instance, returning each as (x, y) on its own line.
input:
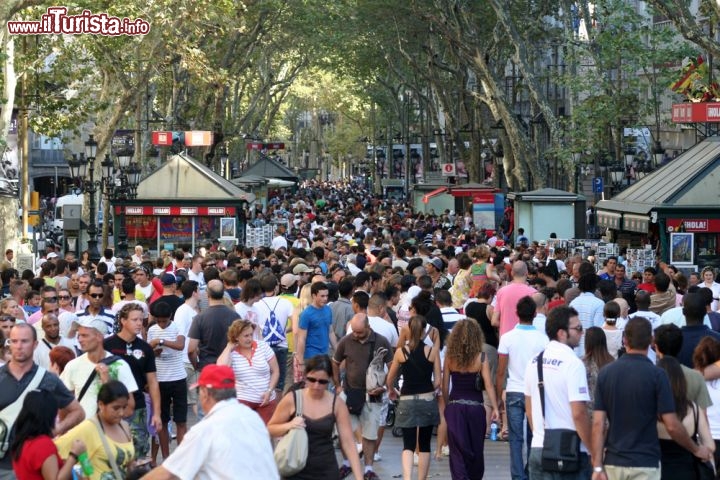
(464, 409)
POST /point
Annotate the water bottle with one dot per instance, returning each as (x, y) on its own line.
(84, 462)
(493, 431)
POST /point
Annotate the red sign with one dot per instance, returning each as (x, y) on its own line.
(162, 138)
(198, 138)
(177, 211)
(694, 224)
(696, 112)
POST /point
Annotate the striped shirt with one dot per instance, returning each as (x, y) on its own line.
(252, 376)
(169, 364)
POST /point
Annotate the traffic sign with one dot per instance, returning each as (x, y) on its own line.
(597, 185)
(448, 169)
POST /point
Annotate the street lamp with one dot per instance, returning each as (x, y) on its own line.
(121, 187)
(82, 170)
(629, 159)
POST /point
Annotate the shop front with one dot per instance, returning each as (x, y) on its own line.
(674, 209)
(184, 205)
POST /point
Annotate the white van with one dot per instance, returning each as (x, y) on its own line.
(66, 200)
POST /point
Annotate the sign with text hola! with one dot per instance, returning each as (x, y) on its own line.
(448, 169)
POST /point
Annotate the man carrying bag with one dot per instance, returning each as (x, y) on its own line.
(556, 396)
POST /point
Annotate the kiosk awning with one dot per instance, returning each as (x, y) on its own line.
(636, 223)
(608, 219)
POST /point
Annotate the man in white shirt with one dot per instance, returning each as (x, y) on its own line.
(515, 350)
(565, 390)
(49, 339)
(540, 311)
(96, 366)
(279, 241)
(182, 320)
(642, 301)
(377, 315)
(270, 330)
(588, 306)
(231, 438)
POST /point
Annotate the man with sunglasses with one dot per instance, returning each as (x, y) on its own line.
(95, 310)
(565, 392)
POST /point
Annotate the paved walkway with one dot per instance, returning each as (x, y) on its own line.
(497, 461)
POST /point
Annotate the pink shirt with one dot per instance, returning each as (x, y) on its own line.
(506, 302)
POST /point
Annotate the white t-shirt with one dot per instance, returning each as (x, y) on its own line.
(77, 372)
(182, 320)
(170, 364)
(520, 344)
(565, 380)
(283, 309)
(41, 356)
(250, 314)
(383, 327)
(279, 242)
(652, 316)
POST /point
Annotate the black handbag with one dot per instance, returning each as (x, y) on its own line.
(703, 470)
(561, 446)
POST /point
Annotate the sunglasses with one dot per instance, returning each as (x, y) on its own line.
(96, 295)
(52, 299)
(64, 297)
(321, 381)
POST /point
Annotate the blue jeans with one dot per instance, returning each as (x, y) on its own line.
(517, 423)
(281, 357)
(537, 473)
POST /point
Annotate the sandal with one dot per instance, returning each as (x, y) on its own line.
(504, 436)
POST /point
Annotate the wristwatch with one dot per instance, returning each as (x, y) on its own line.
(162, 342)
(597, 469)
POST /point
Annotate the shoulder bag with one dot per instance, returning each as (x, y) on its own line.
(291, 451)
(107, 361)
(561, 446)
(9, 414)
(479, 381)
(703, 470)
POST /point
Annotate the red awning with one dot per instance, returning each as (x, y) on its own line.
(437, 191)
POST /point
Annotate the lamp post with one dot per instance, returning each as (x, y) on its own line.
(122, 186)
(629, 159)
(82, 170)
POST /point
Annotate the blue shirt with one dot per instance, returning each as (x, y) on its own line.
(317, 322)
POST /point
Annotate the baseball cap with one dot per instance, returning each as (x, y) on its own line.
(168, 279)
(301, 268)
(219, 377)
(90, 322)
(288, 280)
(51, 255)
(437, 263)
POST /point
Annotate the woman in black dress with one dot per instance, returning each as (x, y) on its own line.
(320, 412)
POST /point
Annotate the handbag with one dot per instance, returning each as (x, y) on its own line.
(703, 470)
(561, 446)
(291, 451)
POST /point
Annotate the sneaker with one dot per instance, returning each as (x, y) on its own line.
(345, 470)
(377, 457)
(370, 475)
(445, 451)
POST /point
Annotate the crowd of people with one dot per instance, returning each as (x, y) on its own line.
(358, 307)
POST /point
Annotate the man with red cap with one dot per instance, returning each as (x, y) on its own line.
(230, 439)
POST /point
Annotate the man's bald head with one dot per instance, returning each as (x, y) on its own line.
(519, 269)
